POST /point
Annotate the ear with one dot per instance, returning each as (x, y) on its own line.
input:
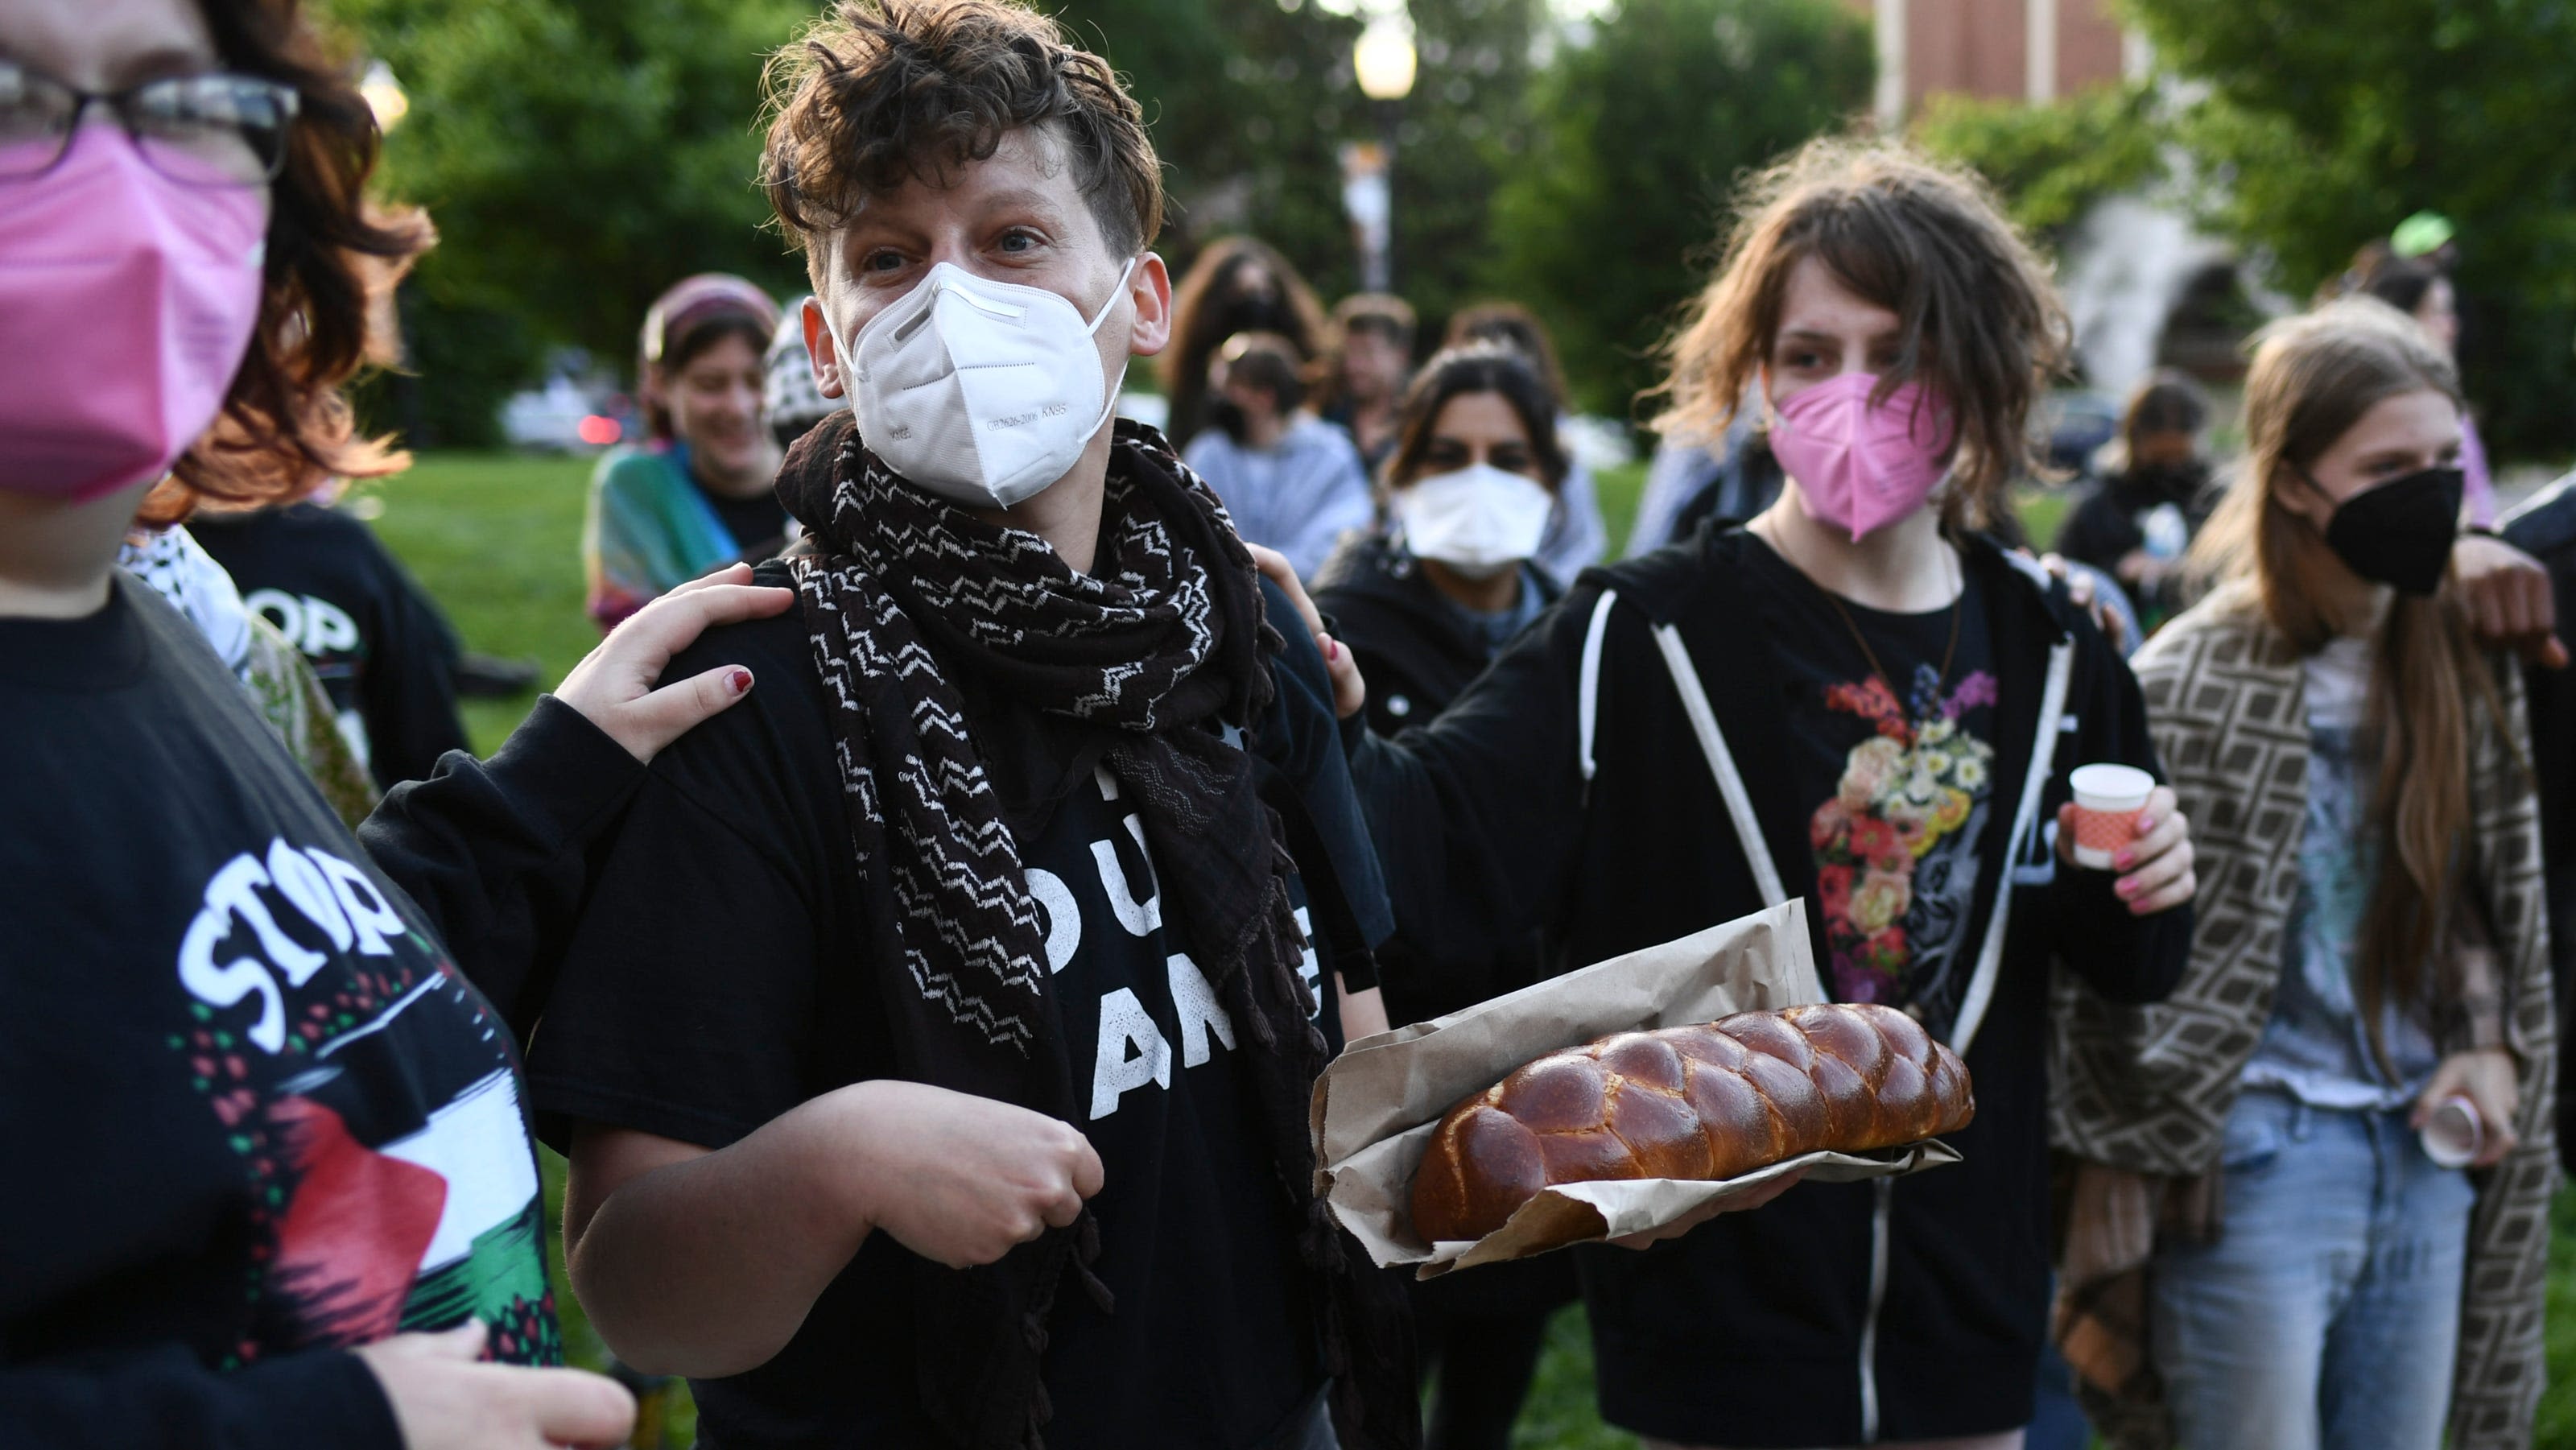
(819, 347)
(2302, 495)
(1149, 286)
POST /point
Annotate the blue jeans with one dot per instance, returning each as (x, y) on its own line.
(2326, 1314)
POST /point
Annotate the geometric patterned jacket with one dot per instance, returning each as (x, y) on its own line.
(2148, 1089)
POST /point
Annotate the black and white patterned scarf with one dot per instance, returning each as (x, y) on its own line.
(1160, 643)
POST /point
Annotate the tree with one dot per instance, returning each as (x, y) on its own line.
(1606, 225)
(2051, 163)
(578, 156)
(1250, 101)
(2321, 129)
(1245, 101)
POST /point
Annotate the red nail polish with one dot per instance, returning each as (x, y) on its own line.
(741, 681)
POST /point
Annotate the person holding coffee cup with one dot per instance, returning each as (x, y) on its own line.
(2108, 798)
(2352, 1069)
(1861, 700)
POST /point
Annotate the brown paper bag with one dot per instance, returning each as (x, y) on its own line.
(1376, 1106)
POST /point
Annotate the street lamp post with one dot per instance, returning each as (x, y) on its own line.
(384, 96)
(1383, 61)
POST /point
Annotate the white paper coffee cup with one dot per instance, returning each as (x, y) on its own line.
(2453, 1135)
(2107, 800)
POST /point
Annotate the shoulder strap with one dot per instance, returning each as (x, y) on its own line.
(1703, 719)
(1587, 700)
(1721, 764)
(2043, 760)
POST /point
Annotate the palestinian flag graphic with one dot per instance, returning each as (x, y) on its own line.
(410, 1188)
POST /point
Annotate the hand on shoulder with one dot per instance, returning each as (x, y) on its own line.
(1350, 691)
(2508, 598)
(618, 688)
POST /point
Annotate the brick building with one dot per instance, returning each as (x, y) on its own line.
(2031, 50)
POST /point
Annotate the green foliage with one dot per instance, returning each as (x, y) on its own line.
(580, 155)
(1245, 102)
(496, 539)
(1604, 224)
(2322, 130)
(577, 156)
(2051, 163)
(460, 363)
(1251, 100)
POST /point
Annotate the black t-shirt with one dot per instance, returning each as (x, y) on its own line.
(757, 523)
(251, 1107)
(1902, 782)
(383, 652)
(719, 980)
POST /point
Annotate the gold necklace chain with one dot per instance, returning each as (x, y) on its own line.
(1949, 653)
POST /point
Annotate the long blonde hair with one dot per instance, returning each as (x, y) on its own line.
(2314, 376)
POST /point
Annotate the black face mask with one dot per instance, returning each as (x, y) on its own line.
(2175, 483)
(1259, 314)
(1227, 414)
(2400, 533)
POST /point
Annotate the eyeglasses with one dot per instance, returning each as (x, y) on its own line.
(214, 129)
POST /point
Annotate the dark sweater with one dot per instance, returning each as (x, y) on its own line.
(1749, 1332)
(1415, 648)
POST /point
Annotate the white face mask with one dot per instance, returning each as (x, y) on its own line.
(981, 392)
(1479, 520)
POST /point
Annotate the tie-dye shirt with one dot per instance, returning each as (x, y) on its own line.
(2315, 1046)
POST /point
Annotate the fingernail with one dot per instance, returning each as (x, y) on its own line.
(740, 680)
(1332, 648)
(2128, 886)
(2146, 823)
(2124, 860)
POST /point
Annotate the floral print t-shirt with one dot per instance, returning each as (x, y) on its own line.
(1898, 770)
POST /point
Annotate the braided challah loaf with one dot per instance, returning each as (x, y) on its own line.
(1708, 1101)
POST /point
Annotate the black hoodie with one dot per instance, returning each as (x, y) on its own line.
(1416, 651)
(1841, 1313)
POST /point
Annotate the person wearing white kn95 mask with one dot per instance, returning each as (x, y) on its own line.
(1015, 931)
(979, 390)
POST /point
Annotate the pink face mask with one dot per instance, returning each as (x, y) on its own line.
(1859, 466)
(127, 300)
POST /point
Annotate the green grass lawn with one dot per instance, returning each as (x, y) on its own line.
(497, 537)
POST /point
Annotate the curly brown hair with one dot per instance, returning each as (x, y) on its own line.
(333, 258)
(1981, 320)
(880, 92)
